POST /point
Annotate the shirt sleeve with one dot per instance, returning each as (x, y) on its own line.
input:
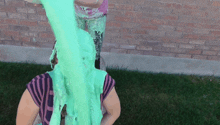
(108, 85)
(35, 88)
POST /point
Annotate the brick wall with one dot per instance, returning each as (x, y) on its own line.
(176, 28)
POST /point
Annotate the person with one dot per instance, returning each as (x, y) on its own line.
(94, 16)
(92, 13)
(38, 98)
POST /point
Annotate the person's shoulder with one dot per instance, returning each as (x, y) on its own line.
(108, 85)
(109, 78)
(40, 80)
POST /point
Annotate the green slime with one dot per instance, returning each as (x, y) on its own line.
(76, 82)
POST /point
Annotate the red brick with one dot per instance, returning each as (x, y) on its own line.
(174, 5)
(113, 24)
(150, 27)
(168, 54)
(2, 20)
(197, 52)
(138, 20)
(175, 23)
(201, 31)
(212, 43)
(164, 39)
(31, 44)
(169, 5)
(41, 12)
(174, 34)
(215, 27)
(216, 3)
(28, 23)
(190, 36)
(181, 41)
(215, 32)
(118, 50)
(124, 7)
(15, 3)
(216, 58)
(190, 25)
(14, 43)
(123, 19)
(197, 13)
(170, 17)
(144, 48)
(46, 35)
(120, 41)
(169, 45)
(23, 39)
(209, 52)
(112, 29)
(190, 7)
(127, 36)
(157, 22)
(133, 14)
(207, 26)
(46, 45)
(157, 33)
(200, 42)
(140, 31)
(106, 49)
(8, 9)
(184, 29)
(134, 42)
(3, 26)
(177, 50)
(161, 49)
(151, 53)
(135, 52)
(11, 21)
(34, 5)
(124, 30)
(111, 6)
(43, 23)
(202, 47)
(115, 12)
(186, 46)
(206, 37)
(215, 48)
(17, 15)
(11, 33)
(130, 25)
(183, 56)
(202, 57)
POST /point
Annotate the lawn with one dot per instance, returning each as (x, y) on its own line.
(146, 98)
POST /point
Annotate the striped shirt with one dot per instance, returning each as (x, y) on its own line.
(41, 90)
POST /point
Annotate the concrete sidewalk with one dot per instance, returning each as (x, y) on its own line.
(141, 63)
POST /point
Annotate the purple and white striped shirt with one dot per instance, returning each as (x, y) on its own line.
(41, 90)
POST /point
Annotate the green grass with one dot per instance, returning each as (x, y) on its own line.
(146, 98)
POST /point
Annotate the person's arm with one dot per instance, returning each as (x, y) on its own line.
(113, 108)
(89, 3)
(27, 110)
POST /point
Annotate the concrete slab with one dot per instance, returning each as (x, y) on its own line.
(142, 63)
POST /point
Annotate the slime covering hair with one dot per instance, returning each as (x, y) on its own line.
(75, 85)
